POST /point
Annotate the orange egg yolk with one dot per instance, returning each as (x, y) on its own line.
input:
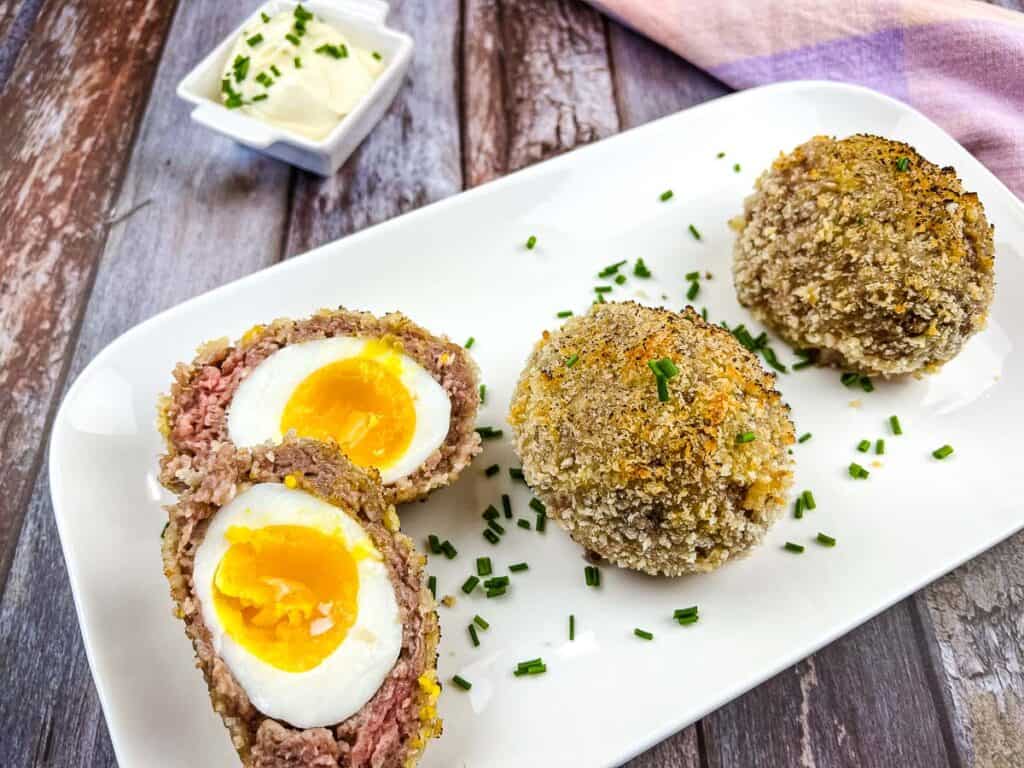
(361, 403)
(286, 593)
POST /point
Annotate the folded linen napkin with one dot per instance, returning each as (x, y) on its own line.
(959, 62)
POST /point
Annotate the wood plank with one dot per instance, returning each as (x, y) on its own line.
(845, 705)
(973, 617)
(542, 68)
(68, 128)
(411, 158)
(215, 212)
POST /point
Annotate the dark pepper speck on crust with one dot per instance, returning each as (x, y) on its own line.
(866, 251)
(661, 487)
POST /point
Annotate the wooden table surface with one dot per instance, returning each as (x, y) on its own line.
(113, 206)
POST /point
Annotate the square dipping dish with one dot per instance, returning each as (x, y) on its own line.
(363, 22)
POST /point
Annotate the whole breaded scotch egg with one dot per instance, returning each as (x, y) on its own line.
(393, 397)
(655, 439)
(866, 252)
(308, 611)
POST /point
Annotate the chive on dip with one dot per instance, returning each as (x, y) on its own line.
(298, 73)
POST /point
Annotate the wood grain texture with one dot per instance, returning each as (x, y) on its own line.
(411, 158)
(216, 212)
(17, 18)
(977, 616)
(542, 68)
(67, 132)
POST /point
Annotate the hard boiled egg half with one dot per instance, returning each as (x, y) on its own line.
(299, 604)
(382, 407)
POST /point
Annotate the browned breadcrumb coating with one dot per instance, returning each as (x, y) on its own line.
(866, 251)
(662, 487)
(193, 417)
(393, 727)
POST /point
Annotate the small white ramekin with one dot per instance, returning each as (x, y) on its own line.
(362, 21)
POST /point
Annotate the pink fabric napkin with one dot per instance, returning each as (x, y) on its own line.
(959, 62)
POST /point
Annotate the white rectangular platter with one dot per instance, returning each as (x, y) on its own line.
(460, 267)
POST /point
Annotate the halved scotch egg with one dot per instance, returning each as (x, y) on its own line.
(308, 611)
(390, 394)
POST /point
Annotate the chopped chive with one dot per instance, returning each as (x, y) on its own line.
(495, 592)
(542, 522)
(693, 290)
(240, 67)
(516, 473)
(491, 536)
(483, 394)
(943, 452)
(879, 447)
(611, 269)
(572, 627)
(264, 17)
(902, 164)
(530, 663)
(462, 683)
(746, 437)
(804, 437)
(523, 523)
(469, 342)
(495, 526)
(857, 472)
(492, 470)
(275, 70)
(470, 584)
(682, 613)
(695, 232)
(894, 423)
(490, 513)
(298, 62)
(666, 195)
(826, 540)
(571, 360)
(294, 40)
(506, 505)
(849, 379)
(684, 620)
(662, 383)
(435, 544)
(259, 97)
(517, 567)
(432, 586)
(489, 433)
(531, 242)
(640, 269)
(802, 364)
(791, 547)
(602, 289)
(620, 279)
(866, 385)
(864, 446)
(692, 276)
(537, 505)
(769, 357)
(449, 549)
(264, 79)
(736, 168)
(809, 501)
(592, 576)
(720, 155)
(704, 313)
(164, 529)
(643, 633)
(798, 508)
(377, 56)
(255, 39)
(497, 581)
(479, 621)
(483, 567)
(564, 313)
(302, 13)
(473, 636)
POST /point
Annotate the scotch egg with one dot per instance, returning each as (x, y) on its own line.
(390, 395)
(307, 609)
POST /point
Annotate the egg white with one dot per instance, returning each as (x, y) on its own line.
(255, 413)
(344, 681)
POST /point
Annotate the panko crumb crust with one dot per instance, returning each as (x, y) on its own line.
(408, 697)
(193, 416)
(862, 249)
(661, 487)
